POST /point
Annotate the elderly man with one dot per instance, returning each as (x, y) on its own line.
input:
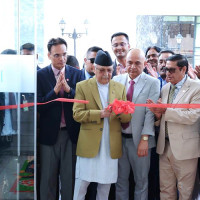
(178, 140)
(138, 136)
(57, 127)
(99, 143)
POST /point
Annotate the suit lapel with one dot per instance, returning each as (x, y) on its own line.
(165, 93)
(112, 91)
(51, 76)
(68, 76)
(182, 91)
(95, 92)
(140, 85)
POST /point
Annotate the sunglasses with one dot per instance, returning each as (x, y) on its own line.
(170, 70)
(91, 60)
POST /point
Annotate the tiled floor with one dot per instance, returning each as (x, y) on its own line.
(10, 165)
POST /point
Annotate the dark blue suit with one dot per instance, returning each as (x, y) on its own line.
(83, 73)
(50, 114)
(56, 147)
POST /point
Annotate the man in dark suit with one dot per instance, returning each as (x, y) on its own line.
(57, 127)
(88, 69)
(120, 46)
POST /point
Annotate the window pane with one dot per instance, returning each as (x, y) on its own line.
(197, 41)
(170, 18)
(186, 19)
(198, 19)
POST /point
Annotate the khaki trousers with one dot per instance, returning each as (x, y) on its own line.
(176, 174)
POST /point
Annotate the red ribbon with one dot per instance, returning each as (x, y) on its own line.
(126, 107)
(118, 106)
(32, 104)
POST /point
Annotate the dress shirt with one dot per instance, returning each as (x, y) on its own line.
(162, 81)
(56, 74)
(122, 68)
(87, 75)
(129, 129)
(179, 86)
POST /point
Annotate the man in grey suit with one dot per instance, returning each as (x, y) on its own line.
(138, 136)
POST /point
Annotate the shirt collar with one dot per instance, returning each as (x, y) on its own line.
(135, 80)
(117, 62)
(56, 71)
(87, 75)
(180, 83)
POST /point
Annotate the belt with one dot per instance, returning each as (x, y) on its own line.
(127, 135)
(63, 128)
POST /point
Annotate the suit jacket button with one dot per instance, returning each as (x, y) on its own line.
(101, 129)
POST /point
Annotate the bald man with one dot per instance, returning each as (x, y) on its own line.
(137, 136)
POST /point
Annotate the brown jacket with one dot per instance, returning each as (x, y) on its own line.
(92, 124)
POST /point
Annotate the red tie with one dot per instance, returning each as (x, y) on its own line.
(129, 94)
(129, 97)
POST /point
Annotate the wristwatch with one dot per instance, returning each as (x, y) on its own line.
(145, 138)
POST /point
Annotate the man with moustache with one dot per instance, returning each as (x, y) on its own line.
(138, 135)
(163, 55)
(178, 141)
(99, 143)
(88, 72)
(120, 46)
(151, 55)
(154, 186)
(57, 131)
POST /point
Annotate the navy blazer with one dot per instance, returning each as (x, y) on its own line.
(50, 114)
(83, 73)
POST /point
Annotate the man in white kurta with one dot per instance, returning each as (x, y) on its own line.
(101, 169)
(99, 144)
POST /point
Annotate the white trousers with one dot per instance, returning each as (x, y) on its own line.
(81, 186)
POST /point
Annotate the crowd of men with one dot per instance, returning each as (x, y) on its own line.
(89, 152)
(159, 145)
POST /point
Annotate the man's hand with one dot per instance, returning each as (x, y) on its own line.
(191, 72)
(157, 111)
(142, 148)
(151, 70)
(105, 113)
(197, 71)
(117, 70)
(65, 85)
(58, 85)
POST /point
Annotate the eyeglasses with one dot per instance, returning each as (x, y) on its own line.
(60, 55)
(170, 70)
(105, 70)
(91, 60)
(122, 44)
